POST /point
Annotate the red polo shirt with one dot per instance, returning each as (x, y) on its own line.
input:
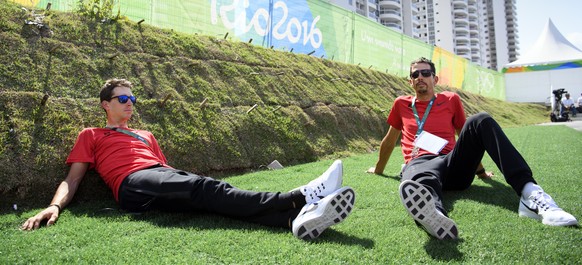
(445, 116)
(115, 155)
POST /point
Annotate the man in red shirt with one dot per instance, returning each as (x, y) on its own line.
(132, 164)
(436, 161)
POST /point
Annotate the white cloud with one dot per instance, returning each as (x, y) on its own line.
(576, 39)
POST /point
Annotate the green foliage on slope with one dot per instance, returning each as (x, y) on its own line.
(307, 108)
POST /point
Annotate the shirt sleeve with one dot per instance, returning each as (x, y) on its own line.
(84, 149)
(394, 118)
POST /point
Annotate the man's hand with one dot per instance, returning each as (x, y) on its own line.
(63, 196)
(51, 214)
(372, 170)
(486, 175)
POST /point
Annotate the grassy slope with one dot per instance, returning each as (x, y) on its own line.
(308, 108)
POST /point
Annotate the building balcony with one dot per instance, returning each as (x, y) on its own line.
(462, 40)
(394, 26)
(461, 31)
(464, 55)
(390, 11)
(389, 3)
(460, 3)
(473, 16)
(390, 17)
(509, 5)
(460, 12)
(514, 41)
(512, 28)
(514, 53)
(389, 24)
(462, 50)
(461, 22)
(510, 12)
(475, 55)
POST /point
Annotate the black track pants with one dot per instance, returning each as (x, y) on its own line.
(456, 170)
(170, 189)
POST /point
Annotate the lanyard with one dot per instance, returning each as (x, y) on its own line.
(130, 133)
(418, 121)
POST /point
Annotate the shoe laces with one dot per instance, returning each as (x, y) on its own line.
(543, 201)
(312, 193)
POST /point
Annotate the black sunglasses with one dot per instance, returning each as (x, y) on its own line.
(423, 72)
(123, 99)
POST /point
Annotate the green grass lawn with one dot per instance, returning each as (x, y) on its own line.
(378, 231)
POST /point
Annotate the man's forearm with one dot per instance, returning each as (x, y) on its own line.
(63, 195)
(383, 157)
(386, 148)
(69, 186)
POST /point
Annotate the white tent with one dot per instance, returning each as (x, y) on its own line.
(551, 63)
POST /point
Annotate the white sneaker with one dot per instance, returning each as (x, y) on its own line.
(314, 218)
(328, 182)
(540, 206)
(421, 206)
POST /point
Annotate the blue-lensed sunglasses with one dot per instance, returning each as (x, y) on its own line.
(123, 99)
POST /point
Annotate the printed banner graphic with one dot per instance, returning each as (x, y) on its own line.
(311, 27)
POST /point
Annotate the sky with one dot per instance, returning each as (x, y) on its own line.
(532, 16)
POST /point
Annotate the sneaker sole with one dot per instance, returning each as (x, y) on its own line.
(337, 210)
(420, 205)
(564, 223)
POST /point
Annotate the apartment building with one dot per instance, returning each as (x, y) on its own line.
(482, 31)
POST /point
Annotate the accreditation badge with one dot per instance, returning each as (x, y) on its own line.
(429, 142)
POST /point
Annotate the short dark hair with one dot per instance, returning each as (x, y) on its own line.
(107, 89)
(426, 61)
